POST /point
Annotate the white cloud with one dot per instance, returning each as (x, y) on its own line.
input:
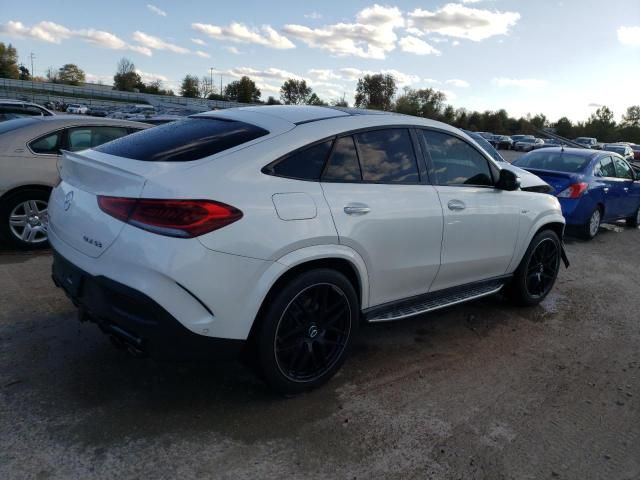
(101, 79)
(456, 82)
(151, 77)
(313, 15)
(431, 80)
(503, 82)
(324, 74)
(456, 20)
(200, 42)
(156, 10)
(155, 43)
(371, 36)
(411, 44)
(629, 36)
(54, 33)
(202, 54)
(233, 50)
(239, 32)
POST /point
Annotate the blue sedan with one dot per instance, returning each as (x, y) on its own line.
(593, 186)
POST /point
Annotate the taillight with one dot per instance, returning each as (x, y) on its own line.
(574, 191)
(173, 218)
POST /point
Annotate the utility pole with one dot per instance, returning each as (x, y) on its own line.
(32, 56)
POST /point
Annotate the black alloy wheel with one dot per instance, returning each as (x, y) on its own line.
(543, 268)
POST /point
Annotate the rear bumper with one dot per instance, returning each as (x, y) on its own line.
(134, 320)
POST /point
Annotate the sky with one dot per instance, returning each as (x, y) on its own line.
(556, 57)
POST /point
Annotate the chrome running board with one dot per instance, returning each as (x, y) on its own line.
(433, 301)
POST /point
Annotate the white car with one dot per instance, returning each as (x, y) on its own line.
(528, 144)
(279, 229)
(77, 108)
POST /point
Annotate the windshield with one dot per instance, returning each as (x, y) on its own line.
(583, 140)
(487, 147)
(616, 148)
(527, 140)
(555, 161)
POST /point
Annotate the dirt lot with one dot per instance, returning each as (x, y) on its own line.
(481, 391)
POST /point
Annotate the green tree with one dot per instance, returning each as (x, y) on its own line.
(376, 91)
(24, 73)
(71, 74)
(601, 125)
(632, 117)
(243, 90)
(8, 61)
(340, 102)
(190, 87)
(315, 100)
(564, 128)
(126, 78)
(273, 101)
(295, 92)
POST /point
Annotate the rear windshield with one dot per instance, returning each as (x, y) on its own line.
(183, 140)
(556, 161)
(11, 125)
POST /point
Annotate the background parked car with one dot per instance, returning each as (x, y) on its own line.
(636, 151)
(98, 112)
(10, 109)
(516, 138)
(625, 151)
(547, 143)
(29, 150)
(593, 186)
(77, 108)
(502, 142)
(587, 142)
(527, 144)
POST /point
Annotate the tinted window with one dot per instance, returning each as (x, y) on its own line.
(305, 164)
(184, 140)
(623, 170)
(49, 144)
(455, 162)
(605, 168)
(81, 138)
(343, 164)
(387, 156)
(556, 161)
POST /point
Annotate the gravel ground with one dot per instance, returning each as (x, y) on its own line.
(480, 391)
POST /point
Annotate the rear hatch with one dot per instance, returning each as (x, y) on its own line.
(74, 214)
(558, 180)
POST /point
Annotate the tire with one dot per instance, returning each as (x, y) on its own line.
(28, 209)
(299, 346)
(590, 229)
(538, 270)
(634, 221)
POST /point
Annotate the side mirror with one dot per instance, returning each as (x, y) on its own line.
(508, 181)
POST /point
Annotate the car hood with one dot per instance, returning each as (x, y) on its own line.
(527, 179)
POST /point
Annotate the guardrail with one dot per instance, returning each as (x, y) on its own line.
(27, 89)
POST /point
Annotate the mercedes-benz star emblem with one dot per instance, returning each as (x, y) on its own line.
(68, 198)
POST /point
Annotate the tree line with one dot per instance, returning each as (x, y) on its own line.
(375, 91)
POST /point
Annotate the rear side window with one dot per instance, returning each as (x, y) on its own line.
(387, 156)
(49, 144)
(184, 140)
(623, 170)
(306, 164)
(81, 138)
(605, 168)
(343, 164)
(455, 162)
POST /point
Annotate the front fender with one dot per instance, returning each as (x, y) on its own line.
(551, 214)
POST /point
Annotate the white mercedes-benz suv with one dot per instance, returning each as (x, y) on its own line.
(278, 230)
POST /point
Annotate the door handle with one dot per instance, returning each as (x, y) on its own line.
(456, 205)
(626, 189)
(357, 209)
(606, 189)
